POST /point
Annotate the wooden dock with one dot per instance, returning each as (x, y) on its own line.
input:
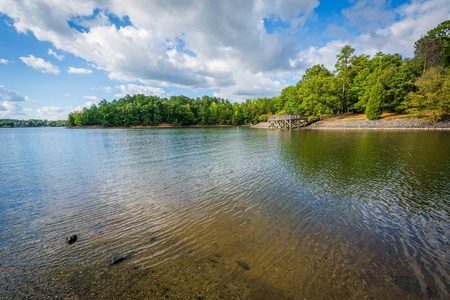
(288, 121)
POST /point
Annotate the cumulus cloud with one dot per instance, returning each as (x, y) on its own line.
(95, 99)
(10, 96)
(133, 89)
(169, 42)
(51, 113)
(413, 20)
(9, 103)
(39, 63)
(81, 71)
(53, 53)
(10, 109)
(325, 55)
(29, 99)
(49, 109)
(222, 45)
(369, 14)
(107, 89)
(4, 61)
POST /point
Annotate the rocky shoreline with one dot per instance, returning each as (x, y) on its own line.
(383, 124)
(349, 121)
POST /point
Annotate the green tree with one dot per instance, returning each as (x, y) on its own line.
(433, 94)
(78, 119)
(70, 120)
(376, 100)
(342, 66)
(317, 93)
(433, 49)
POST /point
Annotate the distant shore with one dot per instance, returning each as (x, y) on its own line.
(142, 126)
(386, 121)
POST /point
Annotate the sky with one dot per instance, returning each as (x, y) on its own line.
(58, 56)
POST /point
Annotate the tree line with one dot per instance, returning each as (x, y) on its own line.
(359, 84)
(10, 123)
(176, 110)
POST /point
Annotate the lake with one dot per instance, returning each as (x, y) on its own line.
(209, 213)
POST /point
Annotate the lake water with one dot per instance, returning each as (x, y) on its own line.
(209, 213)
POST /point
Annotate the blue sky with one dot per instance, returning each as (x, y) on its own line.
(59, 56)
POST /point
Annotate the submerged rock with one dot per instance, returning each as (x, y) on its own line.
(72, 239)
(243, 265)
(118, 258)
(213, 261)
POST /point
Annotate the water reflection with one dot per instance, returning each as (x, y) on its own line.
(220, 212)
(388, 190)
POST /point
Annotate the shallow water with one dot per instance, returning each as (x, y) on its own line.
(224, 213)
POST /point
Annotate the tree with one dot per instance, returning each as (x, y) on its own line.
(433, 49)
(376, 100)
(342, 67)
(433, 94)
(70, 120)
(317, 93)
(78, 120)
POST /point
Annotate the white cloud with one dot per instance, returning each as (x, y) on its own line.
(81, 71)
(51, 52)
(4, 61)
(369, 14)
(67, 95)
(99, 20)
(9, 109)
(9, 103)
(414, 20)
(49, 109)
(51, 113)
(10, 96)
(93, 98)
(169, 42)
(221, 45)
(325, 55)
(39, 63)
(107, 89)
(133, 89)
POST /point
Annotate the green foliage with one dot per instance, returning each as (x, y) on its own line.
(265, 117)
(385, 82)
(375, 103)
(433, 49)
(433, 94)
(177, 110)
(318, 93)
(343, 66)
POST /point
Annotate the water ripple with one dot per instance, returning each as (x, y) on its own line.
(309, 214)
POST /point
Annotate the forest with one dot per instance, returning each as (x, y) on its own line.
(359, 84)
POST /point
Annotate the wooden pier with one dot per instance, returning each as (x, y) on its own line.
(288, 121)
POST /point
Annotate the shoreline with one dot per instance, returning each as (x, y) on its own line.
(388, 121)
(145, 127)
(377, 128)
